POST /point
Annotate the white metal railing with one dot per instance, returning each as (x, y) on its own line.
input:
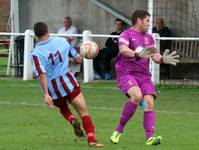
(10, 34)
(155, 68)
(179, 38)
(88, 64)
(29, 45)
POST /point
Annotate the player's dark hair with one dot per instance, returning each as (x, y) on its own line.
(40, 29)
(139, 14)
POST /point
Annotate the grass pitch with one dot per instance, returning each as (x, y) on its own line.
(3, 66)
(27, 124)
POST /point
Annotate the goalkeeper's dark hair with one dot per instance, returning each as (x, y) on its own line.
(139, 14)
(40, 29)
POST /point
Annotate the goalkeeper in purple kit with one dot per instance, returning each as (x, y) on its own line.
(133, 76)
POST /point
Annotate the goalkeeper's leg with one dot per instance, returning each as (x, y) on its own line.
(149, 122)
(127, 113)
(129, 86)
(154, 140)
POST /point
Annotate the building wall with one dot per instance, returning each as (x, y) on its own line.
(127, 7)
(85, 14)
(4, 14)
(181, 16)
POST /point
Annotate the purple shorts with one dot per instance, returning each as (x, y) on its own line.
(126, 81)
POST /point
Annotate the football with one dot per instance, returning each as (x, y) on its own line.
(89, 50)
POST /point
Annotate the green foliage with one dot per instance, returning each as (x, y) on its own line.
(27, 124)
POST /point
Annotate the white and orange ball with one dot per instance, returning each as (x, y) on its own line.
(89, 50)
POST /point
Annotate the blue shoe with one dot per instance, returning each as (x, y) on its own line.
(107, 76)
(96, 76)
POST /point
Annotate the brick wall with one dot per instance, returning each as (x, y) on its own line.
(4, 14)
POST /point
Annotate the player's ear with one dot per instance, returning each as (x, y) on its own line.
(139, 20)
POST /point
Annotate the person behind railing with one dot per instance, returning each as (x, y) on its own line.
(102, 63)
(163, 31)
(70, 29)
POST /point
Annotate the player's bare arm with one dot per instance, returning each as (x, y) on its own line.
(157, 58)
(126, 51)
(78, 59)
(44, 85)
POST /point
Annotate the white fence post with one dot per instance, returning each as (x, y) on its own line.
(155, 68)
(87, 63)
(11, 58)
(28, 47)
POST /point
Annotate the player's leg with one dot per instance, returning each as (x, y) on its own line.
(109, 53)
(106, 63)
(80, 105)
(97, 65)
(149, 122)
(130, 106)
(149, 114)
(67, 114)
(64, 109)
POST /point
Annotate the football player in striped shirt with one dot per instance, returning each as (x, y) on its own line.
(59, 86)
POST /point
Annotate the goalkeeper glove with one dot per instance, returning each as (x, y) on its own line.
(172, 58)
(146, 52)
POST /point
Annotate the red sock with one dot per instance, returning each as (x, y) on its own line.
(89, 128)
(66, 113)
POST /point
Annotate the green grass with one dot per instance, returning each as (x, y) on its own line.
(27, 124)
(2, 48)
(3, 65)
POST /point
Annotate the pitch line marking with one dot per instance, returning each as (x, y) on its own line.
(86, 87)
(97, 108)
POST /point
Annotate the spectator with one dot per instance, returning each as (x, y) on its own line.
(102, 63)
(69, 29)
(163, 31)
